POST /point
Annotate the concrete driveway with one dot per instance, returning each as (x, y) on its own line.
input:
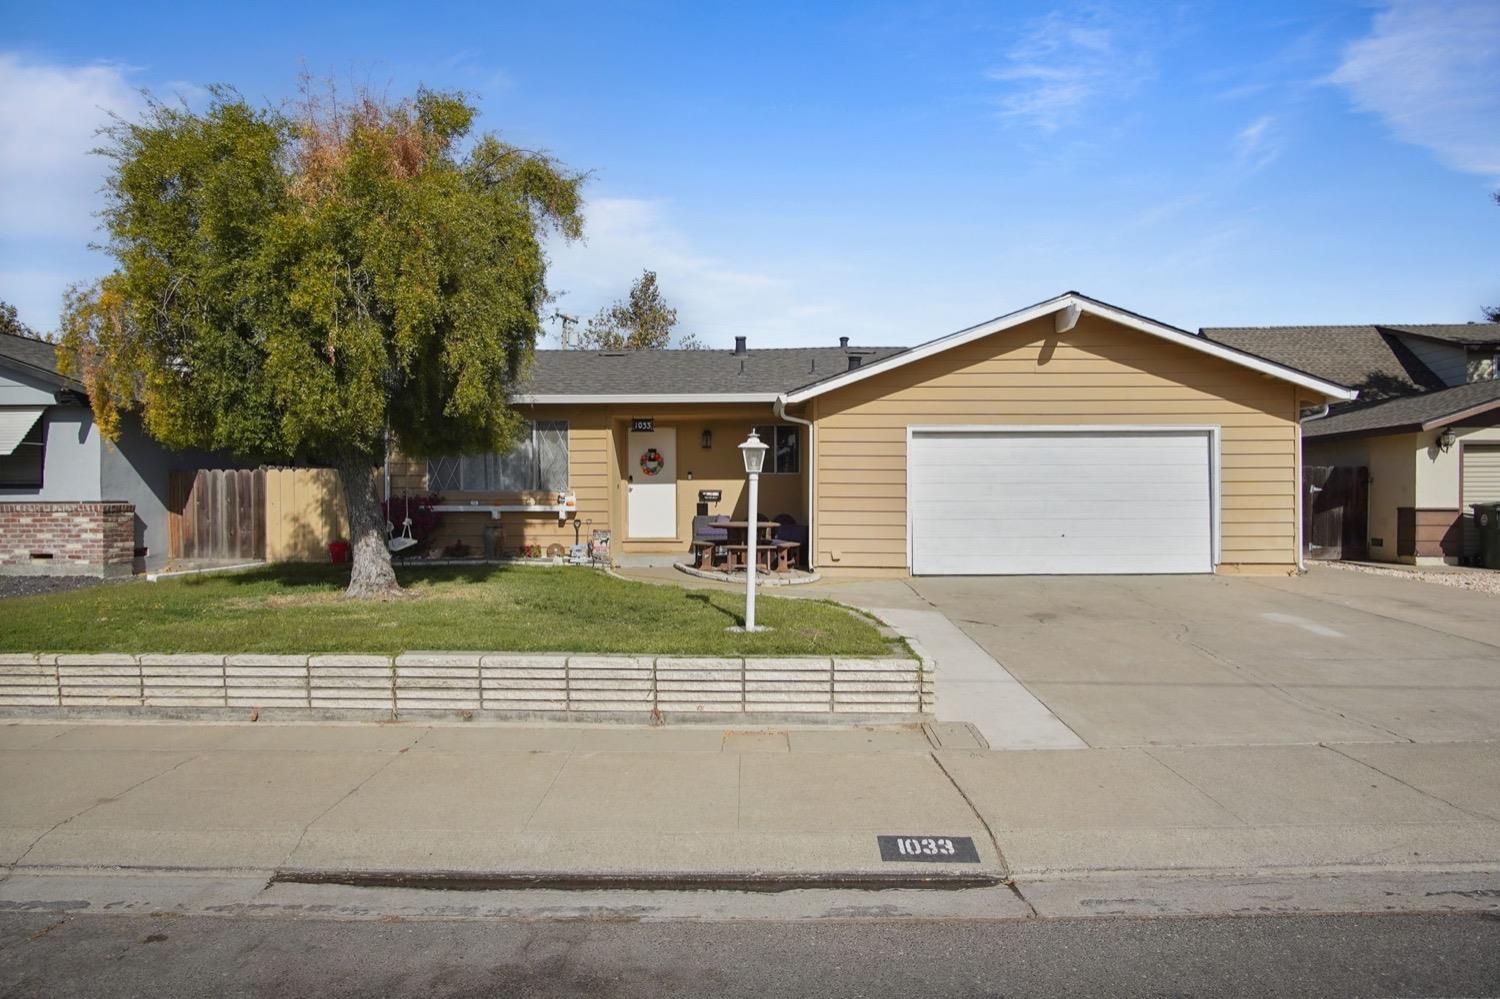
(1331, 656)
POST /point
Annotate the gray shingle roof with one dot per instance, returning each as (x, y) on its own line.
(1362, 357)
(1467, 334)
(37, 357)
(688, 372)
(1407, 413)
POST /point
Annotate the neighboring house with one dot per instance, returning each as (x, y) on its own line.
(1426, 424)
(1071, 436)
(70, 501)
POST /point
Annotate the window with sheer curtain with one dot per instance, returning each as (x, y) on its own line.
(538, 463)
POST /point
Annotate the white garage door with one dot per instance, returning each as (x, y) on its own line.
(1012, 502)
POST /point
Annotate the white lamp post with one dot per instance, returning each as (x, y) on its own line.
(754, 453)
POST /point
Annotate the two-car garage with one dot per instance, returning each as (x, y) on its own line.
(1070, 437)
(1061, 500)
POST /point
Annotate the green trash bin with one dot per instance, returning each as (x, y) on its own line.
(1487, 519)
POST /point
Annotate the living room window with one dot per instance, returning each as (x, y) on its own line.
(538, 463)
(785, 442)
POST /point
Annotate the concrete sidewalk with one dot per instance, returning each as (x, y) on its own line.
(685, 800)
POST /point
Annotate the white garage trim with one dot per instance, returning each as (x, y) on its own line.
(1212, 431)
(1064, 306)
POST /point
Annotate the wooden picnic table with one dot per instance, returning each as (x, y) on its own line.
(770, 554)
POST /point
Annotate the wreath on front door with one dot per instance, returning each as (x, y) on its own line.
(652, 461)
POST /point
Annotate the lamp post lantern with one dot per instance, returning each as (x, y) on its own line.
(754, 453)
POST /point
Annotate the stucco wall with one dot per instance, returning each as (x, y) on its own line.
(1098, 373)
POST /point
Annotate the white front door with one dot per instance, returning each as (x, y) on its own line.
(651, 468)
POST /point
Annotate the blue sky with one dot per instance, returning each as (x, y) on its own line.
(891, 172)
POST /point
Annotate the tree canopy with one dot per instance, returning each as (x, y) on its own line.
(641, 321)
(10, 322)
(290, 285)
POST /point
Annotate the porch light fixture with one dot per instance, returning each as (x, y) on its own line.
(1446, 439)
(754, 453)
(707, 440)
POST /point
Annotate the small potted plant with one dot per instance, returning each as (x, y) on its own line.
(338, 550)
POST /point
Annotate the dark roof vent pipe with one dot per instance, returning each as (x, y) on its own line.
(844, 342)
(739, 347)
(854, 361)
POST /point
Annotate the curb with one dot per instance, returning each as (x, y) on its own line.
(699, 881)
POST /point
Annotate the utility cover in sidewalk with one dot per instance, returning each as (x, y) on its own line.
(929, 849)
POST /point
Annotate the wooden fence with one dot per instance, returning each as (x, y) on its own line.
(1335, 511)
(217, 514)
(276, 514)
(304, 511)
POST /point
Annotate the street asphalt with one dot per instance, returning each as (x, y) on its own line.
(42, 954)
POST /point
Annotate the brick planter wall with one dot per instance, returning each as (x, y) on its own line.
(470, 683)
(67, 539)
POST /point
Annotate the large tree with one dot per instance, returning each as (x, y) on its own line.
(10, 322)
(641, 321)
(299, 285)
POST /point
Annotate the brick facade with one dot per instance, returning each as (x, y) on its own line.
(67, 539)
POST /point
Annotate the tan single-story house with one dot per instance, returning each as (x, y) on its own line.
(1426, 427)
(1071, 436)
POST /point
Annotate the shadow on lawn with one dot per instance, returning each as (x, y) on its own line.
(291, 575)
(704, 599)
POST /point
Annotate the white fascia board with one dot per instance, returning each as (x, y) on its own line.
(660, 399)
(1068, 303)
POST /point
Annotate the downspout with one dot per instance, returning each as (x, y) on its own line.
(1316, 414)
(779, 408)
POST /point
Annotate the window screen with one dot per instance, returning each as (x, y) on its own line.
(538, 462)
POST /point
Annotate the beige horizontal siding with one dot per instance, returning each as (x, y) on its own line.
(1098, 373)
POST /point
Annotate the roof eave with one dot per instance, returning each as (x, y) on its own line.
(1068, 303)
(56, 378)
(1462, 414)
(600, 399)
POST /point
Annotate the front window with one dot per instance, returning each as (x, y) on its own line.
(785, 442)
(22, 468)
(538, 463)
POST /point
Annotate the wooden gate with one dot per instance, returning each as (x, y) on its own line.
(217, 514)
(1335, 511)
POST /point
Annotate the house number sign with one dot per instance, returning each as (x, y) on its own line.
(928, 849)
(710, 495)
(643, 426)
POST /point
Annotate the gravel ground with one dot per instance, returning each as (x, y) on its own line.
(30, 586)
(1481, 580)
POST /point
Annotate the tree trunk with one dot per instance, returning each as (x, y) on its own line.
(370, 573)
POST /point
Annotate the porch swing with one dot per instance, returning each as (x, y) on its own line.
(400, 542)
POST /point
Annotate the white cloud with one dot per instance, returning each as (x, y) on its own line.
(1061, 64)
(49, 118)
(715, 298)
(1257, 144)
(1431, 70)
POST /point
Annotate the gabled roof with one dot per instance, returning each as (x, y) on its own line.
(1427, 411)
(1067, 307)
(34, 357)
(1363, 357)
(758, 375)
(1463, 334)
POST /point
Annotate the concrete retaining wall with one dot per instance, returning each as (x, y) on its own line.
(418, 683)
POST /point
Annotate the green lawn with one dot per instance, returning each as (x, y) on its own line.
(299, 608)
